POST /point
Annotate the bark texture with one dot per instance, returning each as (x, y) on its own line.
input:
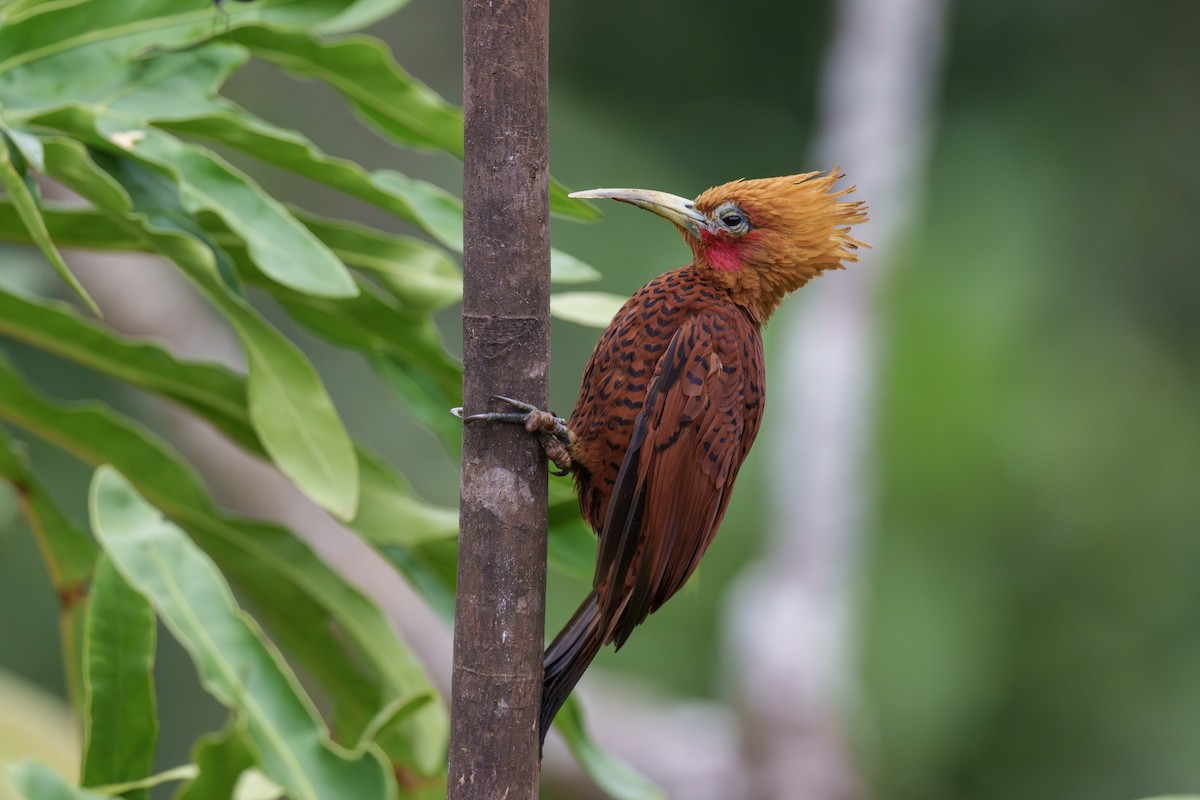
(498, 632)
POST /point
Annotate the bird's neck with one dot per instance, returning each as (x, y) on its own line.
(759, 291)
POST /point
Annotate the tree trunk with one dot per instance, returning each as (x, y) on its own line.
(499, 615)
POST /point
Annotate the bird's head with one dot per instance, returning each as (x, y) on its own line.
(763, 238)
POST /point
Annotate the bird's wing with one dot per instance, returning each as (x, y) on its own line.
(700, 416)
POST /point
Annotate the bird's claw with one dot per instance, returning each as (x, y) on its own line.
(495, 416)
(552, 431)
(518, 404)
(533, 418)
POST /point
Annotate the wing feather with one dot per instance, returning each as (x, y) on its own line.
(700, 416)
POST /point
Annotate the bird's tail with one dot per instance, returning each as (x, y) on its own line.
(567, 657)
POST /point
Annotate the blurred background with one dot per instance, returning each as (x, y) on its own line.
(1013, 577)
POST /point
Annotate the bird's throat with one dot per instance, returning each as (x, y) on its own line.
(719, 252)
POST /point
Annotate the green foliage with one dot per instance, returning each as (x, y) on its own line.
(120, 102)
(232, 657)
(34, 780)
(120, 725)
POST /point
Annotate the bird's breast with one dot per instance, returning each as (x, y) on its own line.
(618, 376)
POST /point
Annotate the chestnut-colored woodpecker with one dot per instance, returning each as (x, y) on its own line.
(672, 397)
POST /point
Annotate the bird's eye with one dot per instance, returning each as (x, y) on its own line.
(732, 219)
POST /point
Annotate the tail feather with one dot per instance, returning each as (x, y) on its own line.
(567, 657)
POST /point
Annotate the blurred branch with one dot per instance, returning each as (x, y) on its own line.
(791, 625)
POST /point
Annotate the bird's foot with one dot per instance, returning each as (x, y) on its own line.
(552, 431)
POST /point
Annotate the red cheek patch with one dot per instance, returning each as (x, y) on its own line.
(720, 252)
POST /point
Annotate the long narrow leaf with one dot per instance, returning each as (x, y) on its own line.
(218, 395)
(68, 552)
(179, 85)
(396, 104)
(221, 759)
(214, 392)
(593, 309)
(360, 15)
(121, 725)
(421, 276)
(285, 250)
(394, 515)
(176, 92)
(22, 191)
(364, 71)
(289, 407)
(277, 572)
(234, 661)
(184, 772)
(51, 42)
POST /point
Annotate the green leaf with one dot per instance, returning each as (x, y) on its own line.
(430, 570)
(426, 399)
(36, 781)
(438, 212)
(288, 405)
(215, 393)
(71, 227)
(594, 309)
(388, 513)
(313, 609)
(618, 780)
(565, 206)
(29, 147)
(393, 716)
(282, 247)
(68, 552)
(387, 504)
(194, 179)
(566, 268)
(181, 85)
(50, 47)
(393, 515)
(120, 726)
(432, 209)
(363, 70)
(360, 15)
(572, 545)
(25, 199)
(369, 323)
(221, 759)
(418, 274)
(235, 663)
(421, 276)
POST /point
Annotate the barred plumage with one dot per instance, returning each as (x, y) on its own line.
(672, 397)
